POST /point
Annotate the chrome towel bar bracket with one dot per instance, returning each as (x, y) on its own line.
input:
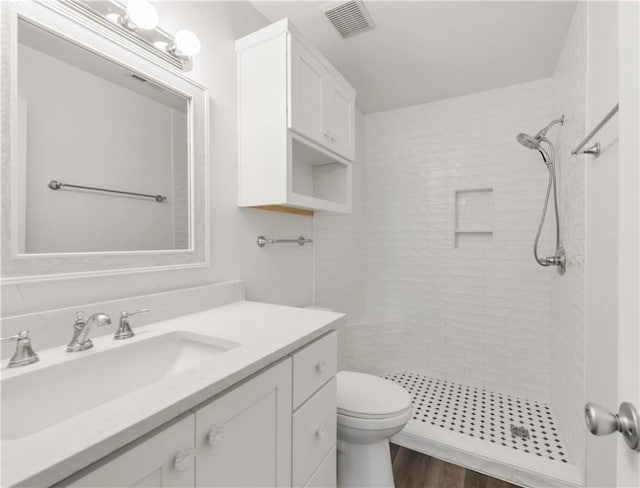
(594, 148)
(263, 241)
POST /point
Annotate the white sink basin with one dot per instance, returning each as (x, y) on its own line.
(36, 400)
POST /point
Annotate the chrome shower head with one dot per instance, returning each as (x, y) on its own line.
(528, 141)
(533, 142)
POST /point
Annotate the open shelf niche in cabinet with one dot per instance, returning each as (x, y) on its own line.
(318, 179)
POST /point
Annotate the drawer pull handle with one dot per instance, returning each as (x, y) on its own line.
(321, 432)
(184, 459)
(216, 435)
(321, 366)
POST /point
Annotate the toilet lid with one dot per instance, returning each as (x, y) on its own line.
(367, 396)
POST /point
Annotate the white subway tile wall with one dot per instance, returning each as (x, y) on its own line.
(339, 244)
(478, 315)
(568, 305)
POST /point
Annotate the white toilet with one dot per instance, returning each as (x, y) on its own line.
(370, 410)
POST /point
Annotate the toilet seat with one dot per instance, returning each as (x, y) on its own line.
(375, 423)
(365, 396)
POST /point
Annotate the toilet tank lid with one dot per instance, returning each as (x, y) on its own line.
(367, 395)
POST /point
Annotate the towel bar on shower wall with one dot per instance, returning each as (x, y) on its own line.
(594, 148)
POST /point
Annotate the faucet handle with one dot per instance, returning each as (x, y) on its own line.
(79, 318)
(124, 329)
(129, 314)
(24, 352)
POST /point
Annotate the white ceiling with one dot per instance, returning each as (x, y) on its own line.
(422, 51)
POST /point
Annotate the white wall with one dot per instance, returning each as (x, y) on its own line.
(477, 311)
(278, 274)
(585, 299)
(567, 331)
(601, 252)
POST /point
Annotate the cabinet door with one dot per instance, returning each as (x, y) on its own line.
(243, 438)
(308, 80)
(341, 113)
(164, 459)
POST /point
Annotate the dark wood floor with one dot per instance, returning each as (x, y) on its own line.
(412, 469)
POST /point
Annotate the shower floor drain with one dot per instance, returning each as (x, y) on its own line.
(518, 431)
(484, 414)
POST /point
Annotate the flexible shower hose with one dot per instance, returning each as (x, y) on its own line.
(550, 162)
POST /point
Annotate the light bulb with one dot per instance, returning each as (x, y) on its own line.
(187, 42)
(142, 15)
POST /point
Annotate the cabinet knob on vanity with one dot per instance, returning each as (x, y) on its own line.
(321, 366)
(320, 432)
(216, 435)
(184, 459)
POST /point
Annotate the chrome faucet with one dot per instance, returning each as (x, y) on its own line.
(80, 340)
(24, 353)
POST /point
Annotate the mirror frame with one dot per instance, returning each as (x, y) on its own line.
(63, 20)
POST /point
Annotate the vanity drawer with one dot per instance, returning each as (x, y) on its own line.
(313, 366)
(314, 433)
(326, 476)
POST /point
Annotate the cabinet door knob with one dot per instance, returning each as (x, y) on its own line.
(320, 432)
(216, 435)
(321, 366)
(184, 459)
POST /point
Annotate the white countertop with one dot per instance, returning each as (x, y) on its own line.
(265, 333)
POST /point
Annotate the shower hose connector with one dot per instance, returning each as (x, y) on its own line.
(559, 260)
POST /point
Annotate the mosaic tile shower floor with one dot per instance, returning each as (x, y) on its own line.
(484, 414)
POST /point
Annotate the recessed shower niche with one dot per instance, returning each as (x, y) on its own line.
(474, 218)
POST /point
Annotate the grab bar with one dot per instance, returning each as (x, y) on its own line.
(595, 148)
(263, 241)
(56, 185)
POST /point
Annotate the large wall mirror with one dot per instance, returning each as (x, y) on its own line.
(104, 156)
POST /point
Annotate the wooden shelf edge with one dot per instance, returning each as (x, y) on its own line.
(282, 208)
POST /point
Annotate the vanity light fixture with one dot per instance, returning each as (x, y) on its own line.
(140, 14)
(187, 43)
(138, 21)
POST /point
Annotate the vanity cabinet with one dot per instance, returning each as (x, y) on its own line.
(259, 433)
(296, 124)
(164, 459)
(243, 438)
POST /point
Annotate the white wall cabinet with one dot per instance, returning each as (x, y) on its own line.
(322, 106)
(309, 82)
(296, 124)
(245, 437)
(340, 111)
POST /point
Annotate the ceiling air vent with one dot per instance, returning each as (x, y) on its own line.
(349, 18)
